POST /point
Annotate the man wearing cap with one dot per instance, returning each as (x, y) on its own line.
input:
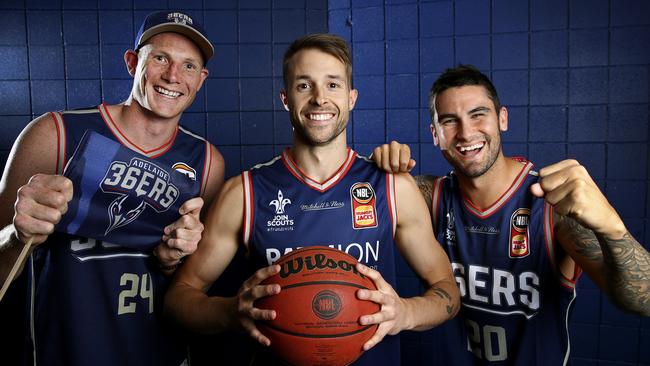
(93, 302)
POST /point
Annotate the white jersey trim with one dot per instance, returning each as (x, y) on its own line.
(504, 198)
(392, 200)
(248, 207)
(319, 186)
(61, 142)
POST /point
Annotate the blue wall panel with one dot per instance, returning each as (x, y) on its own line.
(574, 74)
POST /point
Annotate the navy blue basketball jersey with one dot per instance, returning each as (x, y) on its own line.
(99, 303)
(515, 301)
(353, 211)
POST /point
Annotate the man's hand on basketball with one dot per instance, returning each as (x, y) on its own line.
(181, 238)
(250, 291)
(40, 205)
(391, 318)
(569, 188)
(393, 157)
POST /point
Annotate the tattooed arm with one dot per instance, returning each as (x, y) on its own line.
(619, 266)
(595, 237)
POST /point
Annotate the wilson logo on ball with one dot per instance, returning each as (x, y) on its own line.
(326, 304)
(315, 263)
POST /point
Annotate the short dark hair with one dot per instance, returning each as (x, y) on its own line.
(328, 43)
(462, 75)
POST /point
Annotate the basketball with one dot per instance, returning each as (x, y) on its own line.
(317, 311)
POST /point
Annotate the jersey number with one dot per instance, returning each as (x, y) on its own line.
(488, 343)
(131, 283)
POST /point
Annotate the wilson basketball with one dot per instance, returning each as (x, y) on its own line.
(317, 311)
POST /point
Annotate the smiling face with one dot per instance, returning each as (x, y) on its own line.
(318, 97)
(168, 72)
(468, 129)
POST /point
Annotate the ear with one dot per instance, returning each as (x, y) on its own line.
(131, 61)
(503, 119)
(354, 93)
(284, 99)
(204, 75)
(434, 134)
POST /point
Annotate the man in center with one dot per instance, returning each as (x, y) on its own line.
(307, 196)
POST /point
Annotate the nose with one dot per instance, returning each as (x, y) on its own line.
(318, 96)
(466, 129)
(171, 73)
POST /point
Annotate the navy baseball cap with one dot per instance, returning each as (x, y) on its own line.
(177, 22)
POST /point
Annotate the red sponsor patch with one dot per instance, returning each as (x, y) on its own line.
(519, 239)
(364, 211)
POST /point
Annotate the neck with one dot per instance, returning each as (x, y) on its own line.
(483, 191)
(320, 162)
(141, 126)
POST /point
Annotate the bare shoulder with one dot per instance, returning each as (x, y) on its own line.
(425, 184)
(35, 150)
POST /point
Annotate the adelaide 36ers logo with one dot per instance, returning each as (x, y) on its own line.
(364, 208)
(138, 184)
(519, 239)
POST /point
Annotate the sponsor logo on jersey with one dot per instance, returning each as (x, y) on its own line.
(366, 253)
(482, 229)
(450, 229)
(185, 169)
(364, 209)
(519, 241)
(329, 205)
(138, 184)
(280, 221)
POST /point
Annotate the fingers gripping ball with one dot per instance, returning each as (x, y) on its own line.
(317, 320)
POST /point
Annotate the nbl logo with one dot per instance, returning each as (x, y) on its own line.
(519, 240)
(326, 304)
(138, 184)
(364, 210)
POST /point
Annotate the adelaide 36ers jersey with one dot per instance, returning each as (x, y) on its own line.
(353, 211)
(515, 301)
(95, 302)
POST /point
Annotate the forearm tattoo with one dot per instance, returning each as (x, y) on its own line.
(626, 265)
(445, 296)
(628, 271)
(585, 240)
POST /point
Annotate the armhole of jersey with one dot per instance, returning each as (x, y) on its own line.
(436, 193)
(392, 200)
(549, 238)
(206, 168)
(248, 207)
(60, 142)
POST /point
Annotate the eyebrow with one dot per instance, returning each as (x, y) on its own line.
(479, 109)
(454, 115)
(307, 77)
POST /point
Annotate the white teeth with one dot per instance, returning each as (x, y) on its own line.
(471, 147)
(168, 93)
(320, 116)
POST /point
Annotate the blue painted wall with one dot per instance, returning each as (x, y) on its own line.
(574, 74)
